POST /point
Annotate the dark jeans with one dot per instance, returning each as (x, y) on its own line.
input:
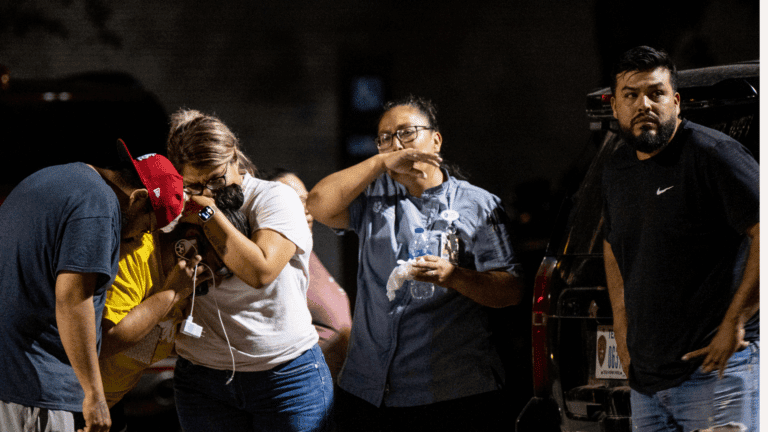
(481, 413)
(295, 396)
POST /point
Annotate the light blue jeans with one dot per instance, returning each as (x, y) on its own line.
(295, 396)
(705, 402)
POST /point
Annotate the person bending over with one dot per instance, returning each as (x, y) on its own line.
(262, 370)
(61, 231)
(150, 297)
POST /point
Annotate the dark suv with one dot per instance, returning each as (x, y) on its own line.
(578, 383)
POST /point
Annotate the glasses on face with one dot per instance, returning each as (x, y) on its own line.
(212, 185)
(405, 135)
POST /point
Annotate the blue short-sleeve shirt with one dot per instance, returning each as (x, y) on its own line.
(410, 352)
(61, 218)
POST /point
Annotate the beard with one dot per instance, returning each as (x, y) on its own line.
(649, 142)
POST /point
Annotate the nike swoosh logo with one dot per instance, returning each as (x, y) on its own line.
(660, 191)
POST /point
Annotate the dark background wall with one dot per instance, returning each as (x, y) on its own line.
(509, 77)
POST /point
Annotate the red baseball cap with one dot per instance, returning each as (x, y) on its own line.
(164, 184)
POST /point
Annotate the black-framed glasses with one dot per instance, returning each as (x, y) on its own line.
(212, 185)
(405, 135)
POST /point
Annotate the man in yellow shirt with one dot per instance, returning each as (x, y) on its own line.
(148, 298)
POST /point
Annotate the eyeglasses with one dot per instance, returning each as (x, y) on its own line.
(212, 185)
(405, 135)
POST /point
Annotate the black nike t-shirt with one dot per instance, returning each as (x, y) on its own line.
(676, 225)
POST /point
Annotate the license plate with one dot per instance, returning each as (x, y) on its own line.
(607, 363)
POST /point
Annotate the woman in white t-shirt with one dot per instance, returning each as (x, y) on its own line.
(256, 365)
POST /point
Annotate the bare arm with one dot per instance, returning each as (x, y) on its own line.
(329, 306)
(76, 320)
(329, 200)
(745, 303)
(491, 288)
(328, 302)
(616, 294)
(146, 315)
(257, 260)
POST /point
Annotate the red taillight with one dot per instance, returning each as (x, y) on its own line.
(539, 326)
(606, 98)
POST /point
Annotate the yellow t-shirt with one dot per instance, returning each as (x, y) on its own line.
(139, 276)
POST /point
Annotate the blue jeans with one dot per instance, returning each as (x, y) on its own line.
(704, 401)
(295, 396)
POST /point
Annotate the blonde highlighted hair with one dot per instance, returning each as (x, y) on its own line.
(203, 141)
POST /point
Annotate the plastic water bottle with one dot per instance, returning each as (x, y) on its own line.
(419, 247)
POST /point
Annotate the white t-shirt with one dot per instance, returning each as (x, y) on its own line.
(267, 326)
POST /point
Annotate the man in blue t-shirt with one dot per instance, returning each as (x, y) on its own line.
(682, 253)
(60, 234)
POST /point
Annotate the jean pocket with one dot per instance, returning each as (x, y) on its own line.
(302, 364)
(737, 361)
(740, 358)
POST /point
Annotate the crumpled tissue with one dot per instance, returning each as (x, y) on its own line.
(399, 275)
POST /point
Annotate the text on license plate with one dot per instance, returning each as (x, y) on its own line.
(607, 363)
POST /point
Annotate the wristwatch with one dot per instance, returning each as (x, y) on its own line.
(206, 214)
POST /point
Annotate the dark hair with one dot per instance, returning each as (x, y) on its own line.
(229, 199)
(425, 106)
(644, 58)
(429, 110)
